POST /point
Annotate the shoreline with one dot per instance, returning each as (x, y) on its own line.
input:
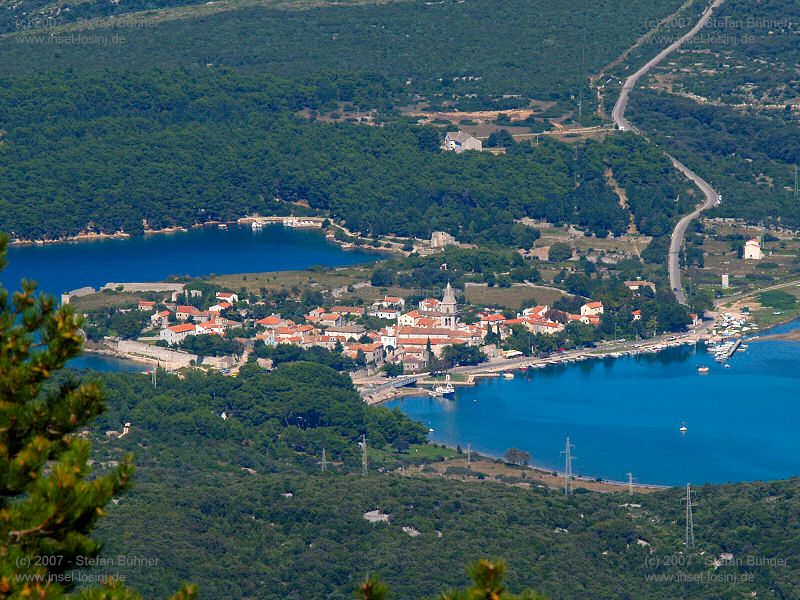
(555, 474)
(270, 220)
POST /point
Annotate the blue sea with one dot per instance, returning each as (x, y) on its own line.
(66, 266)
(624, 415)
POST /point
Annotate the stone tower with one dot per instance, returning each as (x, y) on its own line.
(449, 309)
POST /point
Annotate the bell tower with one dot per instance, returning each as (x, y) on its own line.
(449, 308)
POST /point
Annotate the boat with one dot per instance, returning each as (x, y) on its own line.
(683, 428)
(727, 366)
(508, 375)
(702, 369)
(222, 226)
(443, 390)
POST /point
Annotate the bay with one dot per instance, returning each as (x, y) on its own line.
(624, 415)
(67, 266)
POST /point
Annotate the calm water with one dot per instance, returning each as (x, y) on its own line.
(624, 415)
(63, 267)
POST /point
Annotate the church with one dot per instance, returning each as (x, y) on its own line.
(444, 311)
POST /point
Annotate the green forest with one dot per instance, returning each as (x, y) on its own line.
(194, 145)
(475, 52)
(749, 158)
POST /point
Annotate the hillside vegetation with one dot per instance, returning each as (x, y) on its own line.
(112, 149)
(479, 50)
(238, 505)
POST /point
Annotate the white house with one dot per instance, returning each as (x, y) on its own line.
(752, 250)
(384, 313)
(228, 297)
(592, 309)
(177, 333)
(160, 319)
(460, 141)
(184, 312)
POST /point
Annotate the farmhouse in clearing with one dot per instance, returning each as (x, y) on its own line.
(459, 141)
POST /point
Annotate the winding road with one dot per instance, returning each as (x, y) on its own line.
(711, 196)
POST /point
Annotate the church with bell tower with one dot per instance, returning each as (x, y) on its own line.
(449, 309)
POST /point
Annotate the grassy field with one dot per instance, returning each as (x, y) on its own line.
(512, 297)
(106, 299)
(288, 280)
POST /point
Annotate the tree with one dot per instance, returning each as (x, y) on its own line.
(393, 369)
(462, 354)
(382, 278)
(48, 502)
(487, 584)
(517, 457)
(559, 252)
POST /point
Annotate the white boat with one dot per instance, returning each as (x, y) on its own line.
(508, 375)
(444, 390)
(683, 428)
(222, 226)
(702, 369)
(727, 366)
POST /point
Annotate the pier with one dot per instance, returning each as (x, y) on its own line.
(732, 350)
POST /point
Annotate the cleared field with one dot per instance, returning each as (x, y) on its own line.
(288, 280)
(512, 297)
(106, 299)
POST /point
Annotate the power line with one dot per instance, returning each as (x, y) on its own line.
(364, 462)
(568, 458)
(689, 537)
(324, 462)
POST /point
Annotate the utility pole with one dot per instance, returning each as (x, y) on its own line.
(364, 462)
(630, 484)
(689, 537)
(324, 462)
(568, 458)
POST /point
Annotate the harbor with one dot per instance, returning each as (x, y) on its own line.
(625, 411)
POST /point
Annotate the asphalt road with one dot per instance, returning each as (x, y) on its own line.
(674, 263)
(711, 196)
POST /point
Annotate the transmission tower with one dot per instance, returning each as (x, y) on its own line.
(364, 463)
(689, 538)
(568, 458)
(324, 462)
(630, 484)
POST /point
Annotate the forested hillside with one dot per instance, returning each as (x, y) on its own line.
(111, 149)
(239, 505)
(444, 50)
(749, 158)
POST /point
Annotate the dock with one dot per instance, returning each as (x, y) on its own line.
(733, 349)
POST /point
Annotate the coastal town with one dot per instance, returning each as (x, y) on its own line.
(392, 346)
